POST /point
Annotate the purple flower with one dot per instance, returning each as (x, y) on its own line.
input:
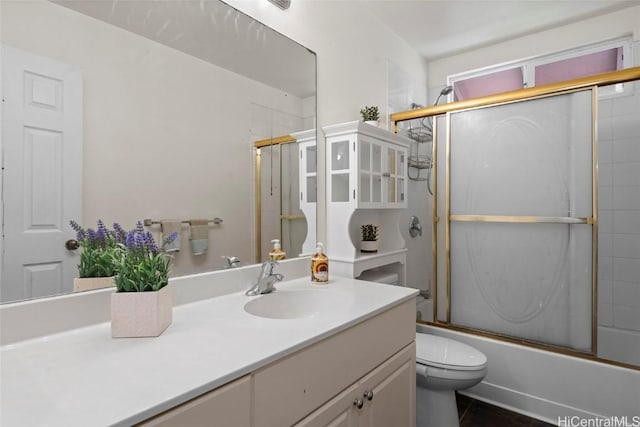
(81, 235)
(139, 228)
(150, 244)
(119, 234)
(130, 241)
(92, 235)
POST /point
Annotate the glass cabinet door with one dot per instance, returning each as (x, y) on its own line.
(370, 172)
(365, 172)
(381, 174)
(394, 175)
(376, 173)
(400, 172)
(340, 171)
(310, 168)
(390, 174)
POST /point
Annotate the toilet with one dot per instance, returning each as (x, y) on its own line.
(443, 366)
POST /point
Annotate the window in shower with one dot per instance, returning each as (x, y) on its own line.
(519, 203)
(566, 65)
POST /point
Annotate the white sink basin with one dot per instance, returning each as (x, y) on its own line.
(294, 304)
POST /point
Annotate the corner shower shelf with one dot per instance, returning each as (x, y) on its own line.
(420, 162)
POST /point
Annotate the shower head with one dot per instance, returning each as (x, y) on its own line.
(446, 91)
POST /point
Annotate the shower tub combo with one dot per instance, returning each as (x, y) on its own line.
(516, 266)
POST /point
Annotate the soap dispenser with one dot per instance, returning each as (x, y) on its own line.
(276, 254)
(319, 266)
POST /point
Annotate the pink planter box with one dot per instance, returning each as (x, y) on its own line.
(140, 314)
(90, 283)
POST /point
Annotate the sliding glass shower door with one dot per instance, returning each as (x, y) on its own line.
(520, 223)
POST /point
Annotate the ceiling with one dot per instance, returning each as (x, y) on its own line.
(214, 32)
(439, 28)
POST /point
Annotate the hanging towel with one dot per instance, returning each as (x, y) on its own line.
(199, 238)
(169, 226)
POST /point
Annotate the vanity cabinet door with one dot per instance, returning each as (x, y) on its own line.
(389, 392)
(229, 405)
(338, 412)
(294, 387)
(385, 397)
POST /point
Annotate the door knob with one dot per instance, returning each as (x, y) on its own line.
(71, 244)
(368, 394)
(358, 403)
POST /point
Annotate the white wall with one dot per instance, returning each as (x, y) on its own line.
(404, 90)
(162, 134)
(617, 24)
(353, 50)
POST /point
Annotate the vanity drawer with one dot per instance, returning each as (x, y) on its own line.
(293, 387)
(229, 405)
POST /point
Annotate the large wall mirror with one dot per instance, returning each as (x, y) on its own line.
(133, 110)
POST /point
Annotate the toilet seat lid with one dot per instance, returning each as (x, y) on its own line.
(442, 352)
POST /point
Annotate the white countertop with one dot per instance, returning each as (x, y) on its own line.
(83, 377)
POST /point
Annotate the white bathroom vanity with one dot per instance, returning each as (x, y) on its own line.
(341, 354)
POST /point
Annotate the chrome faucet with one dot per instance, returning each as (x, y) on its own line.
(266, 279)
(231, 262)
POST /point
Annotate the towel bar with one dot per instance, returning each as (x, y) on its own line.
(148, 222)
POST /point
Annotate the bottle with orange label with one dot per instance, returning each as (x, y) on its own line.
(319, 266)
(276, 254)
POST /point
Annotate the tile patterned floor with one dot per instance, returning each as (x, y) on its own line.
(475, 413)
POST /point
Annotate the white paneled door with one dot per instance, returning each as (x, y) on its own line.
(42, 173)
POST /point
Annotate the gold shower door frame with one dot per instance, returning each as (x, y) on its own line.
(585, 83)
(258, 146)
(519, 219)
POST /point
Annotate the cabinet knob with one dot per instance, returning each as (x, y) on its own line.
(358, 403)
(368, 394)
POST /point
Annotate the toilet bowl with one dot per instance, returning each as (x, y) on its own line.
(442, 367)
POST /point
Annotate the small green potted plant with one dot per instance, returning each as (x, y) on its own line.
(370, 115)
(142, 305)
(370, 234)
(98, 258)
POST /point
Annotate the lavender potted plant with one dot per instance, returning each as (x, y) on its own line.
(97, 258)
(142, 305)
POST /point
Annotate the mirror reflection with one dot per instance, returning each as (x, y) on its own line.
(125, 111)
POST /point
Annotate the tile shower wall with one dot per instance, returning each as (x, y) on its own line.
(619, 211)
(403, 90)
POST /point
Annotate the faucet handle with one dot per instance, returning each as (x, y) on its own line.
(231, 261)
(267, 267)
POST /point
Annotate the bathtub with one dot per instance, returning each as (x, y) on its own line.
(618, 344)
(550, 386)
